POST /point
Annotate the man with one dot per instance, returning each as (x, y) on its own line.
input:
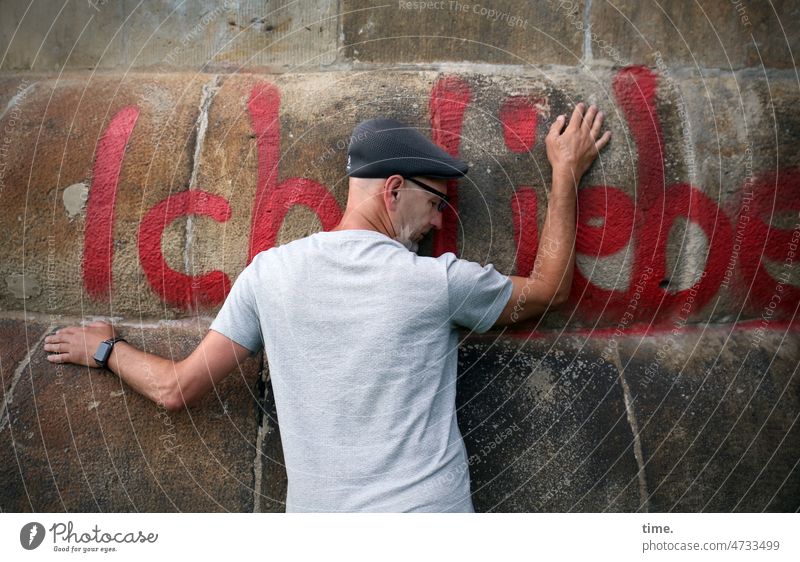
(360, 333)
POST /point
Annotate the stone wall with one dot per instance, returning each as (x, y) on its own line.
(148, 152)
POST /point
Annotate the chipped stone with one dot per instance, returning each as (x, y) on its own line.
(23, 286)
(75, 197)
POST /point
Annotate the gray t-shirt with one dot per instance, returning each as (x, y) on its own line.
(361, 339)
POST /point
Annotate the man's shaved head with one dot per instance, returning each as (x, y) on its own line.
(395, 207)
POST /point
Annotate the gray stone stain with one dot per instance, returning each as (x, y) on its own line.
(23, 286)
(75, 197)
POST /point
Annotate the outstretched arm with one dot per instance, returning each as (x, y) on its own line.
(173, 384)
(570, 151)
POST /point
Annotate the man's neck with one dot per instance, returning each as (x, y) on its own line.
(356, 222)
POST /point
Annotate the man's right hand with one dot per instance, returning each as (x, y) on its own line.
(572, 150)
(77, 344)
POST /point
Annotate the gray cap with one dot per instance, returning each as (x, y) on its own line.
(380, 148)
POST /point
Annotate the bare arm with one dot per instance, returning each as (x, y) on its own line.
(173, 384)
(570, 153)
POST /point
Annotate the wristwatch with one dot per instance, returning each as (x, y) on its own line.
(104, 351)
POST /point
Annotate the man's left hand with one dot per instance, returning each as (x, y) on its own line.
(77, 344)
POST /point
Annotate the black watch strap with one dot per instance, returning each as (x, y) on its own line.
(104, 351)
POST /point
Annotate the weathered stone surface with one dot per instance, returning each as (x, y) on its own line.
(717, 414)
(81, 440)
(504, 32)
(36, 37)
(167, 34)
(727, 35)
(757, 117)
(45, 221)
(13, 88)
(666, 196)
(170, 35)
(544, 431)
(548, 423)
(17, 338)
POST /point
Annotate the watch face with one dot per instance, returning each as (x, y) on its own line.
(101, 356)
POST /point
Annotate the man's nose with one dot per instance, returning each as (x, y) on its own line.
(437, 221)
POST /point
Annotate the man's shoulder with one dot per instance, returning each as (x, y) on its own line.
(389, 251)
(291, 245)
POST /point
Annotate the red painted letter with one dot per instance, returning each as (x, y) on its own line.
(98, 240)
(449, 100)
(186, 291)
(273, 199)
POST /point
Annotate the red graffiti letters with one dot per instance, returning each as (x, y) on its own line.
(610, 220)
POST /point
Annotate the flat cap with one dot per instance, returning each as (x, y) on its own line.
(380, 148)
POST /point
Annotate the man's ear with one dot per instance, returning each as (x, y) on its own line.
(391, 191)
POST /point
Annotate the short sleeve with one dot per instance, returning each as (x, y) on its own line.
(238, 318)
(476, 294)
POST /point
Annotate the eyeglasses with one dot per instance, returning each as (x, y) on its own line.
(442, 203)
